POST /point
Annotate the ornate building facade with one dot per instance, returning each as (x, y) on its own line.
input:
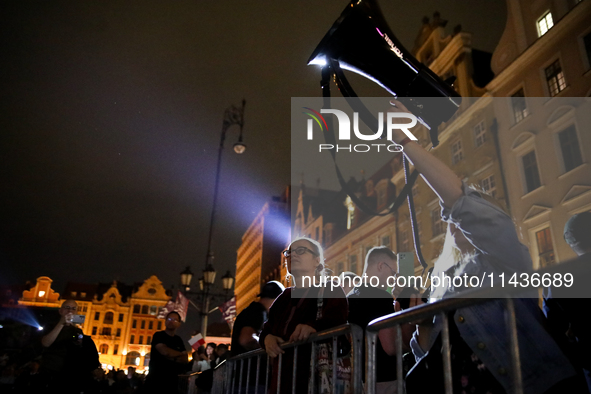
(121, 319)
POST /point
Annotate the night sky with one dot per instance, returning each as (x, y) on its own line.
(111, 115)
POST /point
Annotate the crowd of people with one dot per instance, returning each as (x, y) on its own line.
(481, 238)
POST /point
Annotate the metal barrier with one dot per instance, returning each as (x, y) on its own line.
(580, 267)
(240, 384)
(187, 383)
(231, 379)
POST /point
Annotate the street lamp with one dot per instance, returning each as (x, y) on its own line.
(205, 282)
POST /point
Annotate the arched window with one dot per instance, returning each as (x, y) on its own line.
(144, 309)
(132, 358)
(104, 349)
(108, 318)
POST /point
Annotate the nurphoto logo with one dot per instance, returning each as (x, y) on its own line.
(344, 130)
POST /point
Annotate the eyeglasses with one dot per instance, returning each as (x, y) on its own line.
(300, 250)
(172, 319)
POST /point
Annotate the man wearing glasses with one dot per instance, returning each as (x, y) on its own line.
(69, 356)
(168, 357)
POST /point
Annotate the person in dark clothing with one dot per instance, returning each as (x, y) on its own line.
(168, 358)
(69, 356)
(248, 326)
(367, 303)
(299, 312)
(566, 318)
(249, 323)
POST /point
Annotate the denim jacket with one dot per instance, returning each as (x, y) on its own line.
(483, 327)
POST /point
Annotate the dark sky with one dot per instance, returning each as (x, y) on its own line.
(111, 115)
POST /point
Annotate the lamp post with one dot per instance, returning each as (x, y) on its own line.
(205, 282)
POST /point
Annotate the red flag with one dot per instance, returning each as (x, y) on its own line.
(196, 341)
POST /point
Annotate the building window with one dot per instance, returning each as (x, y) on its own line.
(545, 23)
(85, 309)
(545, 249)
(106, 331)
(144, 309)
(436, 222)
(519, 106)
(73, 294)
(555, 78)
(488, 185)
(457, 154)
(132, 339)
(115, 350)
(136, 308)
(353, 264)
(82, 294)
(141, 342)
(340, 267)
(159, 325)
(94, 330)
(149, 340)
(134, 324)
(132, 358)
(97, 315)
(143, 324)
(530, 171)
(479, 134)
(382, 195)
(569, 145)
(404, 241)
(153, 310)
(150, 325)
(386, 241)
(120, 317)
(350, 212)
(118, 333)
(104, 349)
(108, 318)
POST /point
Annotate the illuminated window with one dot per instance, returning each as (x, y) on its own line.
(519, 106)
(115, 350)
(489, 186)
(569, 145)
(555, 78)
(545, 248)
(479, 134)
(350, 212)
(153, 310)
(41, 293)
(545, 23)
(132, 358)
(530, 172)
(104, 349)
(457, 154)
(83, 294)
